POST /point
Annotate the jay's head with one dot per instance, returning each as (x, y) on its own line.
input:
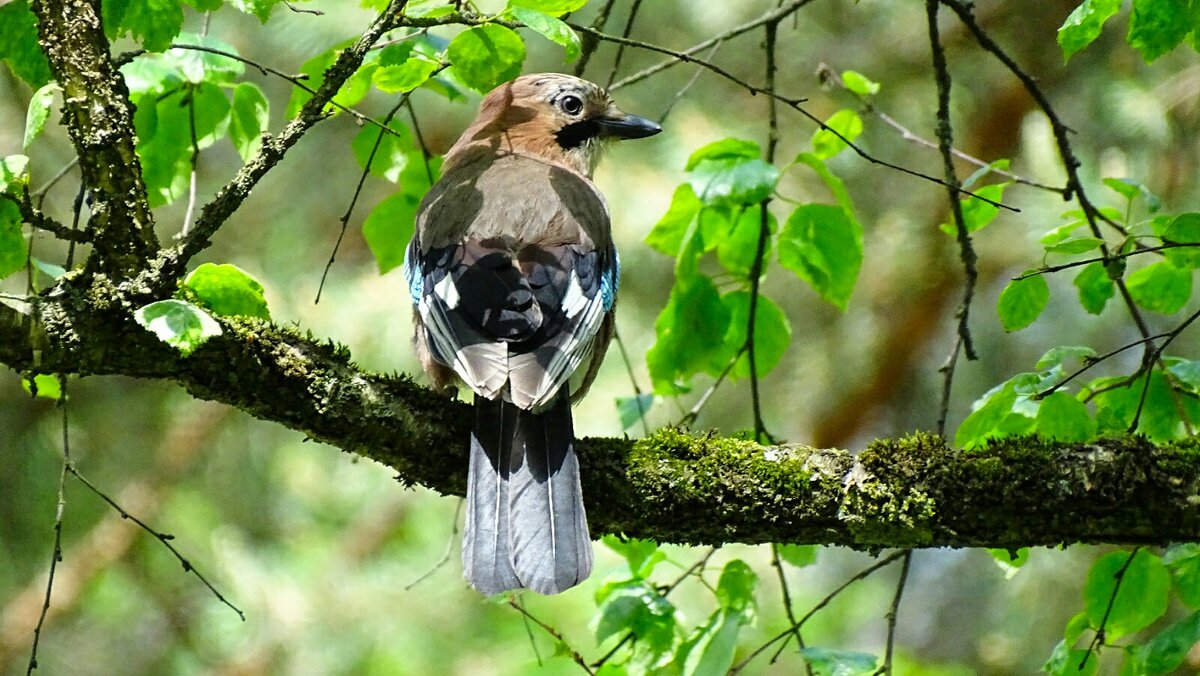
(555, 116)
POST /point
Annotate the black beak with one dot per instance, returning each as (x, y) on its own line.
(627, 126)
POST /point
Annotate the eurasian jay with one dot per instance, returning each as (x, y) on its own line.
(513, 277)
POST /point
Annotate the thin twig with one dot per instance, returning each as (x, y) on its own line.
(301, 10)
(1098, 639)
(893, 612)
(1101, 259)
(1092, 361)
(637, 389)
(684, 90)
(446, 554)
(633, 10)
(1158, 351)
(195, 162)
(40, 193)
(860, 575)
(777, 563)
(164, 538)
(575, 655)
(58, 523)
(945, 134)
(426, 154)
(694, 413)
(826, 74)
(589, 43)
(362, 179)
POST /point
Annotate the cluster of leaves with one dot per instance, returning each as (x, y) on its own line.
(1126, 593)
(1155, 26)
(633, 611)
(1155, 258)
(723, 209)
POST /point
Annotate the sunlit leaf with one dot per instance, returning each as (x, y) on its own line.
(1022, 301)
(689, 331)
(404, 77)
(737, 250)
(1158, 26)
(641, 555)
(631, 410)
(1095, 287)
(43, 385)
(1166, 651)
(550, 28)
(19, 43)
(859, 84)
(772, 333)
(824, 248)
(844, 125)
(798, 555)
(178, 324)
(1160, 287)
(39, 112)
(248, 119)
(13, 250)
(555, 7)
(485, 56)
(154, 23)
(1140, 599)
(1183, 229)
(667, 235)
(1083, 25)
(830, 662)
(197, 66)
(1062, 417)
(227, 290)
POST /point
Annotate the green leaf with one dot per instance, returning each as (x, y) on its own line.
(164, 136)
(735, 589)
(198, 66)
(353, 89)
(725, 149)
(689, 331)
(14, 173)
(1131, 190)
(733, 181)
(1010, 561)
(830, 662)
(1075, 245)
(179, 324)
(19, 43)
(259, 8)
(641, 555)
(736, 251)
(1188, 373)
(1158, 26)
(1160, 287)
(1095, 287)
(550, 28)
(388, 229)
(1056, 356)
(248, 119)
(836, 186)
(667, 235)
(823, 246)
(1065, 661)
(1165, 652)
(1184, 229)
(635, 607)
(1184, 560)
(859, 84)
(13, 250)
(1022, 301)
(154, 23)
(798, 555)
(1083, 25)
(1062, 417)
(995, 413)
(555, 7)
(772, 333)
(1140, 600)
(227, 290)
(39, 112)
(395, 152)
(710, 648)
(826, 143)
(979, 174)
(43, 385)
(1115, 407)
(633, 409)
(976, 212)
(404, 77)
(486, 56)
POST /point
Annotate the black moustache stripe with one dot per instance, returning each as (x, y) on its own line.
(577, 133)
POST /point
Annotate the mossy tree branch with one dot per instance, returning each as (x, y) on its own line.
(672, 486)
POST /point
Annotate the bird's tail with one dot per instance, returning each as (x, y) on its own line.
(526, 526)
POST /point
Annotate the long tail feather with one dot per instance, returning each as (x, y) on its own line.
(551, 548)
(486, 555)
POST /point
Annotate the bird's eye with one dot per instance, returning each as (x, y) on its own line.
(571, 105)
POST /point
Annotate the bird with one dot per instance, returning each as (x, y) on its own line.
(513, 276)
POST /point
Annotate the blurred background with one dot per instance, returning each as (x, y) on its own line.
(321, 549)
